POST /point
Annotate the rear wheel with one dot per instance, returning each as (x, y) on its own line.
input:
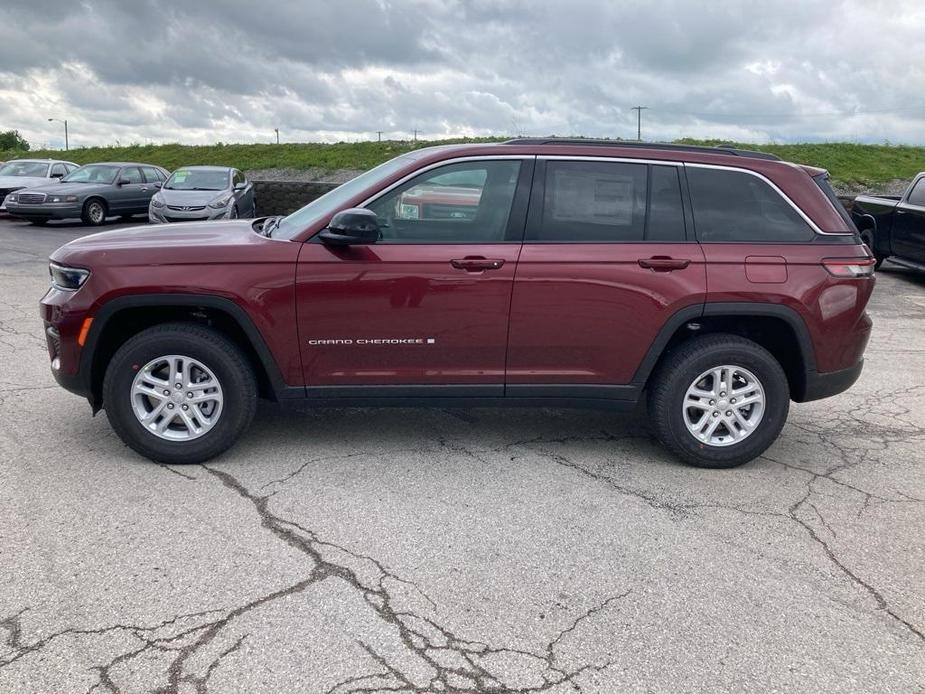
(179, 393)
(867, 237)
(94, 212)
(719, 401)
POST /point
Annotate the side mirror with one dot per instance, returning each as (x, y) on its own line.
(351, 227)
(158, 184)
(240, 185)
(124, 182)
(57, 175)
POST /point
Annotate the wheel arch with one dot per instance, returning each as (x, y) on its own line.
(125, 316)
(777, 328)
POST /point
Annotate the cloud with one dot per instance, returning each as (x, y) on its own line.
(230, 70)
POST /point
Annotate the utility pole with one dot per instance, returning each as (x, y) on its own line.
(415, 134)
(276, 130)
(639, 110)
(65, 130)
(379, 133)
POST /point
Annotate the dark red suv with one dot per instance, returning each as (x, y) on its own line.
(719, 284)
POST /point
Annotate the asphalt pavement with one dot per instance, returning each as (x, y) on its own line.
(460, 550)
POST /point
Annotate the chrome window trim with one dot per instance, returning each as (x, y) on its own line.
(619, 160)
(774, 187)
(444, 162)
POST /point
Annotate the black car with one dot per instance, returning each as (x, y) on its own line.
(894, 226)
(91, 193)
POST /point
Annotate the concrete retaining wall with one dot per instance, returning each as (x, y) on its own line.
(283, 197)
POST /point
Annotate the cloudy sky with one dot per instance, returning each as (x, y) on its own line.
(201, 71)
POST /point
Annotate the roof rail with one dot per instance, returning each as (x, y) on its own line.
(581, 141)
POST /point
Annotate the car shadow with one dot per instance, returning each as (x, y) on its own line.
(914, 277)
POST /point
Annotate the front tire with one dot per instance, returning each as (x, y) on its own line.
(179, 393)
(94, 212)
(718, 401)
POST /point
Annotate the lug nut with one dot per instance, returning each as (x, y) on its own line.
(712, 402)
(729, 414)
(186, 407)
(166, 392)
(733, 401)
(190, 394)
(170, 406)
(716, 414)
(178, 386)
(722, 394)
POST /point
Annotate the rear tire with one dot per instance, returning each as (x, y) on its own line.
(867, 238)
(679, 374)
(94, 212)
(219, 362)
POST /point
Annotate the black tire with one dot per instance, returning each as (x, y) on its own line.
(209, 347)
(677, 372)
(867, 237)
(89, 214)
(38, 222)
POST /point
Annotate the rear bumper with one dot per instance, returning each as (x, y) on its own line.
(824, 385)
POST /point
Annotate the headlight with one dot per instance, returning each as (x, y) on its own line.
(63, 198)
(11, 197)
(67, 278)
(156, 201)
(221, 202)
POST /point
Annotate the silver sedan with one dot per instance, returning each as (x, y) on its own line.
(201, 193)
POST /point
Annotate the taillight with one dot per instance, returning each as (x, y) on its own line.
(850, 267)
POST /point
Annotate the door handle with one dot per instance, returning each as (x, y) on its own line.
(662, 263)
(477, 264)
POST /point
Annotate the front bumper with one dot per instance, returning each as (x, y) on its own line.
(165, 215)
(69, 210)
(62, 315)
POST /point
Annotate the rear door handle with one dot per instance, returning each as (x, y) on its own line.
(662, 263)
(477, 264)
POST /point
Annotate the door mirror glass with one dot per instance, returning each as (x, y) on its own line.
(351, 227)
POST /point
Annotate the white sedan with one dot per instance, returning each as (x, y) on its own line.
(28, 173)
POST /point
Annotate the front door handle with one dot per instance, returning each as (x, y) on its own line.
(477, 263)
(663, 263)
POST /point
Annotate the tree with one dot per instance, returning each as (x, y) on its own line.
(12, 140)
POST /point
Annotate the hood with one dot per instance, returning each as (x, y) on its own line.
(71, 188)
(7, 182)
(191, 243)
(191, 198)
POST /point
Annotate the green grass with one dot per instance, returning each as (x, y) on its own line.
(849, 164)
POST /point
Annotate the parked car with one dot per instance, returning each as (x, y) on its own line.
(894, 226)
(27, 173)
(200, 193)
(720, 283)
(91, 193)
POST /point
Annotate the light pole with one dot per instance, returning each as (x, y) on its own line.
(639, 110)
(65, 130)
(276, 130)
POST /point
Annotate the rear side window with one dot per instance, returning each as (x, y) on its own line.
(732, 206)
(917, 194)
(609, 202)
(152, 175)
(593, 202)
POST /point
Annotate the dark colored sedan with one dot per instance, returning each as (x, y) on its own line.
(91, 193)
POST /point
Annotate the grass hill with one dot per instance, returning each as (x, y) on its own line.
(851, 165)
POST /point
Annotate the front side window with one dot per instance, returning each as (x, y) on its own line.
(93, 173)
(33, 169)
(468, 202)
(917, 194)
(57, 171)
(731, 206)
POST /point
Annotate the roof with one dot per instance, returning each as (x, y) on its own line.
(206, 168)
(122, 163)
(41, 161)
(588, 142)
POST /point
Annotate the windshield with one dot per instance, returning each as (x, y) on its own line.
(93, 173)
(197, 179)
(24, 168)
(328, 203)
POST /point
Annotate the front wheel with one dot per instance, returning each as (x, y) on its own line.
(94, 212)
(179, 393)
(719, 401)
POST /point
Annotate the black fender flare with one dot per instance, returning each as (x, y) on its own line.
(108, 310)
(737, 309)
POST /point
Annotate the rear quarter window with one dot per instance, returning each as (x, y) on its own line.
(735, 206)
